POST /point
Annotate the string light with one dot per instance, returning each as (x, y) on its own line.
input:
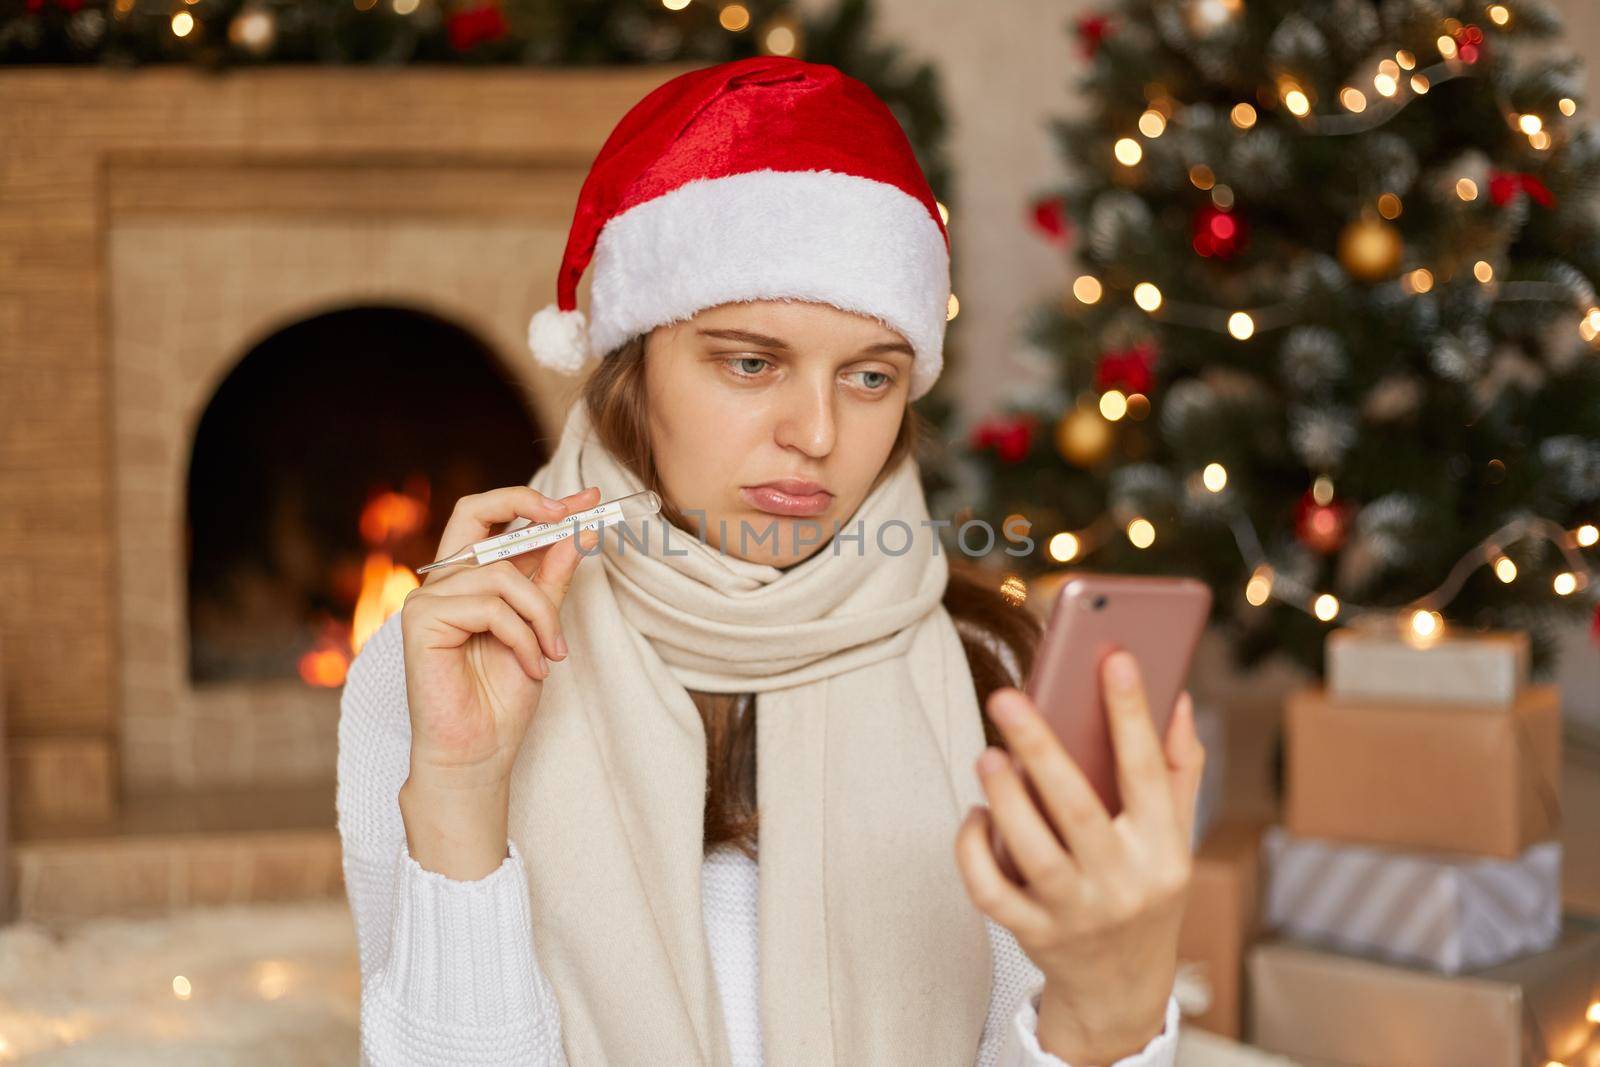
(952, 308)
(1064, 547)
(1141, 533)
(1113, 404)
(181, 987)
(1567, 106)
(1505, 570)
(1127, 151)
(1426, 625)
(1420, 280)
(1259, 588)
(1420, 84)
(1586, 535)
(1499, 14)
(1530, 124)
(182, 24)
(734, 17)
(1405, 59)
(1385, 85)
(1466, 189)
(1565, 583)
(1353, 99)
(1389, 206)
(1447, 47)
(1087, 289)
(1147, 296)
(1243, 115)
(1297, 102)
(1201, 176)
(1326, 607)
(1483, 270)
(1151, 123)
(1241, 326)
(1214, 477)
(1540, 141)
(944, 212)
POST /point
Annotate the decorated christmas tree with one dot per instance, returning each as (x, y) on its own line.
(1332, 340)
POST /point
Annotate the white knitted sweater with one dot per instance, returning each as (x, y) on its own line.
(449, 974)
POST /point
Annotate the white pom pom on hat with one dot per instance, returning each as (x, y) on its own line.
(761, 178)
(559, 339)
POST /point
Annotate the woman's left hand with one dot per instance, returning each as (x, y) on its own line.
(1101, 920)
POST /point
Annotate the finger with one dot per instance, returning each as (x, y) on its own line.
(995, 895)
(1186, 760)
(1029, 840)
(449, 620)
(560, 562)
(530, 562)
(1141, 765)
(1064, 790)
(526, 598)
(478, 515)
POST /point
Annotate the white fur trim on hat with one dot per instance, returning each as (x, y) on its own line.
(559, 339)
(853, 242)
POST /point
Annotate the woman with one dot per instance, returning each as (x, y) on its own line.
(557, 772)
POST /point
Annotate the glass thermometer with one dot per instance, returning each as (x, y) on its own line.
(538, 535)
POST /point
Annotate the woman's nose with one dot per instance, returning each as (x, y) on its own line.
(807, 422)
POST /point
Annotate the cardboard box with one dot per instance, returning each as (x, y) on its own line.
(1477, 668)
(1442, 777)
(1220, 921)
(1344, 1009)
(1449, 913)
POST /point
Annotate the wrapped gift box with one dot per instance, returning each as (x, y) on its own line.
(1483, 669)
(1526, 1012)
(1442, 777)
(1219, 923)
(1447, 912)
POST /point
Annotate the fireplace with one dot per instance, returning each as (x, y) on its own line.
(263, 329)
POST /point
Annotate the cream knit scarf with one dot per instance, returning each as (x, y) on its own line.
(867, 728)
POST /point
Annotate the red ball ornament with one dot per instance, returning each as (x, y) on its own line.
(1092, 29)
(1322, 527)
(1469, 43)
(1049, 217)
(472, 25)
(1594, 626)
(1218, 234)
(1130, 369)
(1010, 437)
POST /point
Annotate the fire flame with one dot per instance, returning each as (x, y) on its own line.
(386, 518)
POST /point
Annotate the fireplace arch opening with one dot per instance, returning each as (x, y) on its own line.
(322, 472)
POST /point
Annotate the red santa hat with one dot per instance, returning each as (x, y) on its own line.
(763, 178)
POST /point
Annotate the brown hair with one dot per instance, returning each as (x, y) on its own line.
(615, 397)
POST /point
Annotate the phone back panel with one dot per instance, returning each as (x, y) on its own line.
(1159, 619)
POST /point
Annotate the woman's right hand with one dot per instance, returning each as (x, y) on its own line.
(479, 643)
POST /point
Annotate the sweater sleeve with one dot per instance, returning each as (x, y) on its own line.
(448, 968)
(1010, 1034)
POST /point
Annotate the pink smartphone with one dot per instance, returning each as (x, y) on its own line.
(1158, 619)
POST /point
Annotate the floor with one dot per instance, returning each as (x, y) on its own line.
(263, 985)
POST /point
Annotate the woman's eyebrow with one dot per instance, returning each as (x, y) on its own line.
(750, 338)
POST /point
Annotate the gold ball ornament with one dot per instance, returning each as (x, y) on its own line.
(1370, 249)
(1083, 436)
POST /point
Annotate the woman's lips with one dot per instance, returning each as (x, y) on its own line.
(776, 502)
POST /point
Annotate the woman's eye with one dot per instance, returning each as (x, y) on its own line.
(882, 382)
(738, 361)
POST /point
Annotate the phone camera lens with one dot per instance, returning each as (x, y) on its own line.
(1099, 602)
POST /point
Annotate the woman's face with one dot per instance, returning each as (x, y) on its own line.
(752, 393)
